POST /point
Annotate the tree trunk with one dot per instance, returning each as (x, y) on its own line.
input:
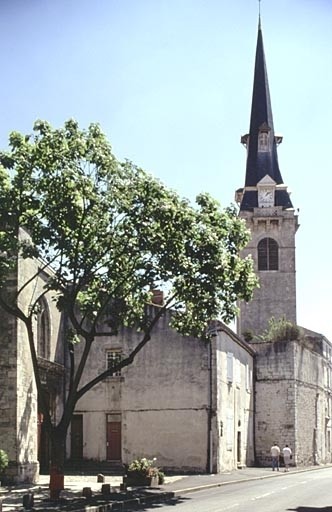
(58, 442)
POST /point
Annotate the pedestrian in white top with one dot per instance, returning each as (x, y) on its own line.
(275, 453)
(287, 453)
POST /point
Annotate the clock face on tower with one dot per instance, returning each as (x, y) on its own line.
(265, 197)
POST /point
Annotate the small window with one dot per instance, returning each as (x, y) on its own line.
(113, 357)
(263, 141)
(328, 377)
(268, 258)
(248, 378)
(229, 367)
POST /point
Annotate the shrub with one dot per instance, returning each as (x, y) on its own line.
(3, 460)
(280, 329)
(142, 467)
(248, 336)
(161, 477)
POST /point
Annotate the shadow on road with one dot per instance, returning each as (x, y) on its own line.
(139, 499)
(311, 509)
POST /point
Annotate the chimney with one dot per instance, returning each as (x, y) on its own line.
(157, 297)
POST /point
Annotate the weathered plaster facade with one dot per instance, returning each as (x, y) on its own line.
(235, 401)
(171, 402)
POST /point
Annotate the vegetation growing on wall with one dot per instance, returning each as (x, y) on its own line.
(280, 329)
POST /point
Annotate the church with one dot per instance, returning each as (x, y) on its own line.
(293, 377)
(194, 406)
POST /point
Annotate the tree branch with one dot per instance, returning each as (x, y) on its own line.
(128, 360)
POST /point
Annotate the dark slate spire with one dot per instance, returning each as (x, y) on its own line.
(262, 162)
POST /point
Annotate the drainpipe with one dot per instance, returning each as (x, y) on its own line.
(254, 379)
(316, 431)
(209, 469)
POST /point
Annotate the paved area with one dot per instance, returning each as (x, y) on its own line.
(72, 499)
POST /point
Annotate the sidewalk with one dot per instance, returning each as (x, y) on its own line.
(72, 500)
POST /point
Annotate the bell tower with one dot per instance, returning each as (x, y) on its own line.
(266, 207)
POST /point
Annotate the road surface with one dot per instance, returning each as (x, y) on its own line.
(309, 491)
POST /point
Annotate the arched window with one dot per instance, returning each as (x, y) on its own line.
(268, 258)
(43, 331)
(263, 141)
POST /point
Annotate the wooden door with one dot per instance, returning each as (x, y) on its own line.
(114, 440)
(76, 449)
(239, 454)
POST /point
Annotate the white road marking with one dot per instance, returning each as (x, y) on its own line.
(262, 496)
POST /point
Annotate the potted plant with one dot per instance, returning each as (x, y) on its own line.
(142, 471)
(3, 461)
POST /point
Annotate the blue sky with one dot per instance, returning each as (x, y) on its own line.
(170, 82)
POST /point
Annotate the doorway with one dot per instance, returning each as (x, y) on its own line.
(113, 438)
(239, 454)
(76, 445)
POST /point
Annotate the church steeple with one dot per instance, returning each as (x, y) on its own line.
(261, 141)
(266, 208)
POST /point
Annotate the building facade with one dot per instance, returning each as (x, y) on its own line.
(22, 434)
(293, 398)
(186, 402)
(293, 386)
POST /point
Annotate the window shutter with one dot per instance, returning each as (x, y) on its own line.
(229, 367)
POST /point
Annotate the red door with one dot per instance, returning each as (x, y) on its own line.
(114, 440)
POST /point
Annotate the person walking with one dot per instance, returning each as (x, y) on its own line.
(275, 454)
(287, 453)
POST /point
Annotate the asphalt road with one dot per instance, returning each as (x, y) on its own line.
(303, 492)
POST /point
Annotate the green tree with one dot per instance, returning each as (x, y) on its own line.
(111, 233)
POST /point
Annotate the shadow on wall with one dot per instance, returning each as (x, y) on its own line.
(24, 425)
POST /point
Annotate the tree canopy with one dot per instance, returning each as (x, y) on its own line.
(112, 233)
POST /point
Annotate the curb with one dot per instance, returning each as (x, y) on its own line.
(164, 496)
(249, 479)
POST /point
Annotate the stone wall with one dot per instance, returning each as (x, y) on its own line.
(276, 296)
(291, 402)
(8, 384)
(18, 394)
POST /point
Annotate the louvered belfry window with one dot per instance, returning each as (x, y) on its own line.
(268, 254)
